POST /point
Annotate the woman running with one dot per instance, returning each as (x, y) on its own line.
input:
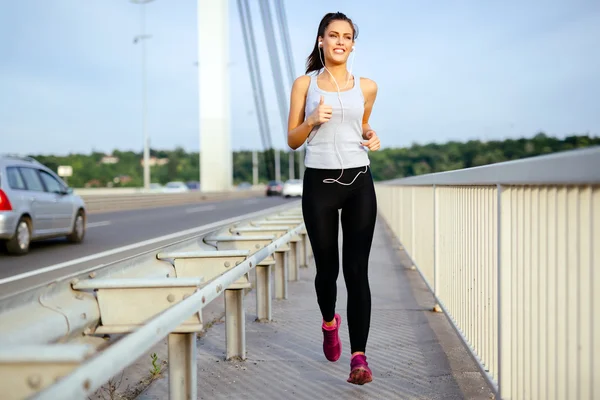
(330, 110)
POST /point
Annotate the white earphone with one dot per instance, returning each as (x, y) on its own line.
(331, 180)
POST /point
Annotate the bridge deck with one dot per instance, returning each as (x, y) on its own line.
(413, 352)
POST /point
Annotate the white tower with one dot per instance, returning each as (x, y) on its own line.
(216, 172)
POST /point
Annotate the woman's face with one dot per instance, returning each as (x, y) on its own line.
(337, 42)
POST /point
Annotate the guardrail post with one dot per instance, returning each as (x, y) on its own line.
(281, 271)
(293, 261)
(304, 250)
(263, 291)
(300, 251)
(183, 368)
(235, 337)
(309, 250)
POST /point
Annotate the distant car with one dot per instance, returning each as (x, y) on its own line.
(292, 188)
(193, 185)
(36, 204)
(175, 187)
(274, 188)
(244, 186)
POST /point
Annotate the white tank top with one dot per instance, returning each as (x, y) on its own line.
(346, 136)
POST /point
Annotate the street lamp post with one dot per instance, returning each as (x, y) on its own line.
(141, 38)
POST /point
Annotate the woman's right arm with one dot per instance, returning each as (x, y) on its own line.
(298, 127)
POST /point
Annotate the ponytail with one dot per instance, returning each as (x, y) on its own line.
(313, 62)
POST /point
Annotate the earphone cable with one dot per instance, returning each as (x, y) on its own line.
(331, 180)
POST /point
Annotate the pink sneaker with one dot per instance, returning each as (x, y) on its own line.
(360, 373)
(332, 346)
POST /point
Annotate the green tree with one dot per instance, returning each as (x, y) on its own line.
(388, 163)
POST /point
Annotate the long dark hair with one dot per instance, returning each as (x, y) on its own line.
(313, 62)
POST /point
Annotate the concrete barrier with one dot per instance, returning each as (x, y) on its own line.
(126, 200)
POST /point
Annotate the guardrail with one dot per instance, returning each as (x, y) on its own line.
(129, 201)
(511, 252)
(51, 337)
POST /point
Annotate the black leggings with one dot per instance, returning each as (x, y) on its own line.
(320, 205)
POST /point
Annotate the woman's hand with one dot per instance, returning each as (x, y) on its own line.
(372, 142)
(321, 114)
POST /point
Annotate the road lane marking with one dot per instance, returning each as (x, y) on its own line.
(200, 209)
(96, 224)
(201, 229)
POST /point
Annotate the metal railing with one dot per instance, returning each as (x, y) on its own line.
(51, 343)
(511, 252)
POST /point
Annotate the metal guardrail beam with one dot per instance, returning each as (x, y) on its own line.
(38, 306)
(95, 372)
(165, 275)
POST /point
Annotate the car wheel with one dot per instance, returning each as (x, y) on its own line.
(78, 232)
(19, 243)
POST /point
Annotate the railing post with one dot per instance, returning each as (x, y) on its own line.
(503, 237)
(302, 251)
(412, 225)
(436, 249)
(263, 292)
(281, 272)
(301, 255)
(307, 247)
(235, 336)
(293, 261)
(413, 250)
(183, 368)
(396, 208)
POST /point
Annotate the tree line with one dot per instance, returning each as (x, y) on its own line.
(89, 170)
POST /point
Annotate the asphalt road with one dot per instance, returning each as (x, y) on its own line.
(116, 235)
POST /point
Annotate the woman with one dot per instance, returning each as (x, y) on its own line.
(331, 110)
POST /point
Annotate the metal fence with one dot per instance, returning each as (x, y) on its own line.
(511, 252)
(51, 337)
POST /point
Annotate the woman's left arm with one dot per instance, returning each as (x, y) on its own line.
(369, 89)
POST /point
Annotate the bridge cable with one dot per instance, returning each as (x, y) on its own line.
(289, 62)
(253, 65)
(276, 71)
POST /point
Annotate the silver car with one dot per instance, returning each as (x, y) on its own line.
(36, 204)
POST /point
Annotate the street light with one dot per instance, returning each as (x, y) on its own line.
(142, 39)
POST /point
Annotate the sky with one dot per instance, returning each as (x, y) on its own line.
(71, 76)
